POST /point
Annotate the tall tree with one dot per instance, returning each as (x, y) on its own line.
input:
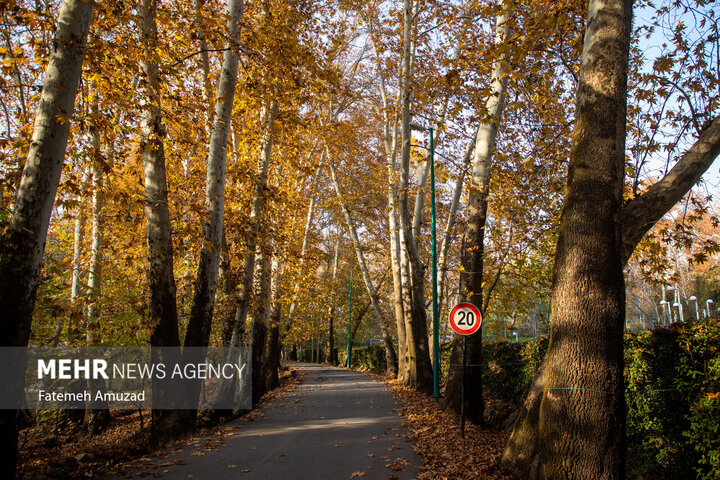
(580, 413)
(581, 410)
(271, 352)
(259, 201)
(97, 415)
(333, 264)
(160, 275)
(78, 251)
(419, 371)
(201, 313)
(473, 244)
(23, 241)
(390, 356)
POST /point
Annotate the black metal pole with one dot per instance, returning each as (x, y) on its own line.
(462, 390)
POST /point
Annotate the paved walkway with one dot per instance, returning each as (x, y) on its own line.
(336, 425)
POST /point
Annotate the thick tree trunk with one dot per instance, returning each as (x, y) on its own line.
(390, 356)
(639, 215)
(23, 241)
(161, 279)
(473, 245)
(581, 415)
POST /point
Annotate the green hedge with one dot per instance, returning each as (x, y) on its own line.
(672, 381)
(367, 359)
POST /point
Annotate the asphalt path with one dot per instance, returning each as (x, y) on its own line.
(337, 424)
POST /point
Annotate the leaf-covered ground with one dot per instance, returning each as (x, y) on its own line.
(47, 451)
(436, 434)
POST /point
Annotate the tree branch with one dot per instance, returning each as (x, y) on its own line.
(640, 214)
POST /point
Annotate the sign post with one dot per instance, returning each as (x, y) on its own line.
(465, 319)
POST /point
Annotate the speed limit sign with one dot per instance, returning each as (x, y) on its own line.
(465, 318)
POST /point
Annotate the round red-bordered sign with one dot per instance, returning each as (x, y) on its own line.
(465, 318)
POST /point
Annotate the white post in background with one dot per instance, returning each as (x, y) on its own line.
(697, 311)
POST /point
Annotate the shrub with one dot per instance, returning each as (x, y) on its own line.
(672, 377)
(368, 359)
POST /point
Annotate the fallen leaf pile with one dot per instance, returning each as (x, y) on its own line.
(436, 435)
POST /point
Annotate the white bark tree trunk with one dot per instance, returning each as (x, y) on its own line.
(391, 146)
(390, 356)
(445, 246)
(205, 60)
(419, 368)
(473, 245)
(305, 243)
(161, 277)
(96, 256)
(198, 331)
(23, 241)
(258, 207)
(163, 310)
(78, 252)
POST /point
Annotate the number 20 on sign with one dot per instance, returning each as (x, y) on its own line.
(465, 318)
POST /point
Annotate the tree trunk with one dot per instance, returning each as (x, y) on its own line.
(419, 369)
(161, 278)
(200, 322)
(237, 329)
(257, 211)
(258, 324)
(271, 355)
(205, 61)
(97, 415)
(305, 244)
(521, 453)
(96, 256)
(331, 358)
(391, 148)
(397, 297)
(390, 356)
(445, 245)
(76, 313)
(473, 244)
(23, 241)
(581, 415)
